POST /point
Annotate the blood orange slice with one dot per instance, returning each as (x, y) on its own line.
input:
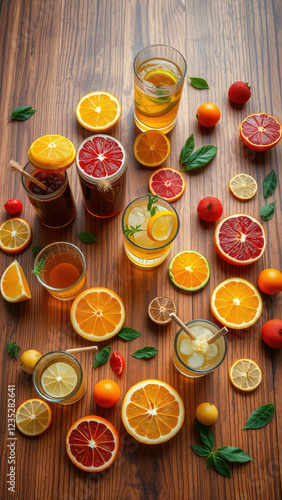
(167, 183)
(260, 131)
(239, 239)
(100, 156)
(92, 443)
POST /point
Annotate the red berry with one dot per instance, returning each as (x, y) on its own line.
(210, 209)
(117, 363)
(13, 206)
(239, 92)
(271, 333)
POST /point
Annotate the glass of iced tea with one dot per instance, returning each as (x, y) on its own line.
(159, 73)
(63, 270)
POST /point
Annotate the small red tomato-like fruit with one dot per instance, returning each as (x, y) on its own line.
(239, 92)
(270, 281)
(117, 363)
(208, 114)
(13, 206)
(271, 333)
(210, 209)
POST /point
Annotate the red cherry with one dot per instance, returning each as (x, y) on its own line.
(13, 206)
(210, 209)
(117, 363)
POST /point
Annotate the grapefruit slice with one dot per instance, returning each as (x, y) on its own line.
(92, 443)
(260, 131)
(98, 111)
(151, 148)
(100, 156)
(239, 239)
(167, 183)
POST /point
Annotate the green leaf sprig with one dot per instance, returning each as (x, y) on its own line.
(87, 237)
(152, 200)
(39, 266)
(127, 333)
(199, 158)
(145, 353)
(13, 348)
(35, 250)
(268, 211)
(269, 184)
(198, 83)
(102, 356)
(260, 417)
(131, 230)
(22, 113)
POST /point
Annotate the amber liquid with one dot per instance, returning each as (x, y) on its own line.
(103, 202)
(62, 270)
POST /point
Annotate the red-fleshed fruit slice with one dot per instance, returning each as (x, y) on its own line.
(100, 156)
(92, 443)
(117, 363)
(167, 183)
(239, 239)
(260, 131)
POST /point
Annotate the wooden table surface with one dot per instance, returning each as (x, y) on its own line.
(53, 53)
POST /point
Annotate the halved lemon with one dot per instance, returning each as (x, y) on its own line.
(13, 285)
(151, 148)
(98, 111)
(15, 235)
(52, 153)
(243, 186)
(59, 379)
(189, 270)
(161, 225)
(33, 417)
(245, 374)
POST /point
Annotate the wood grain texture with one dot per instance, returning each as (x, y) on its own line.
(53, 53)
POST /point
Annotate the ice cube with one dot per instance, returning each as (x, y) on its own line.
(212, 351)
(196, 361)
(200, 331)
(186, 347)
(136, 216)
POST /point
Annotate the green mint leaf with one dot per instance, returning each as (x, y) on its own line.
(13, 349)
(260, 417)
(187, 149)
(22, 113)
(201, 157)
(206, 434)
(36, 250)
(145, 353)
(39, 266)
(102, 356)
(267, 211)
(152, 199)
(153, 211)
(220, 466)
(199, 83)
(269, 184)
(162, 99)
(232, 454)
(129, 333)
(201, 450)
(87, 237)
(131, 230)
(209, 461)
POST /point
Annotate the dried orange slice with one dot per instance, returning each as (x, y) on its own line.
(15, 235)
(159, 310)
(52, 153)
(243, 186)
(97, 314)
(189, 270)
(260, 131)
(33, 417)
(245, 374)
(167, 183)
(98, 111)
(13, 285)
(151, 148)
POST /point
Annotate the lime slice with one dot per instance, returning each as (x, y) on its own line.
(59, 380)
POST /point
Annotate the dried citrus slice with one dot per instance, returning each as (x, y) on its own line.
(152, 411)
(189, 270)
(97, 314)
(245, 374)
(151, 148)
(167, 183)
(239, 239)
(159, 310)
(161, 225)
(260, 131)
(243, 186)
(33, 417)
(13, 285)
(59, 379)
(15, 235)
(98, 111)
(52, 153)
(92, 443)
(236, 303)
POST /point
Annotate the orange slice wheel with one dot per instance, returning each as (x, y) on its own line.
(98, 111)
(151, 148)
(15, 235)
(52, 153)
(189, 270)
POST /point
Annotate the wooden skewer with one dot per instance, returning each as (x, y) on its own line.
(16, 167)
(83, 349)
(218, 334)
(182, 325)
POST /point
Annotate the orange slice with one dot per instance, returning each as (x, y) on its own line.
(189, 270)
(13, 285)
(151, 148)
(159, 310)
(98, 111)
(15, 235)
(97, 314)
(161, 225)
(152, 411)
(33, 417)
(243, 186)
(52, 153)
(245, 374)
(236, 303)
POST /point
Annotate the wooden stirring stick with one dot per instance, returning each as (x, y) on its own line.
(218, 334)
(83, 349)
(182, 325)
(16, 167)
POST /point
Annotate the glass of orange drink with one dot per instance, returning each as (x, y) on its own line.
(159, 73)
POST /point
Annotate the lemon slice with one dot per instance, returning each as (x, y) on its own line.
(243, 186)
(161, 225)
(59, 380)
(162, 72)
(33, 417)
(245, 374)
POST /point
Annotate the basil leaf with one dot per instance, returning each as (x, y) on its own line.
(36, 250)
(87, 237)
(187, 149)
(146, 352)
(102, 356)
(199, 83)
(22, 113)
(205, 434)
(260, 417)
(233, 454)
(201, 450)
(209, 461)
(220, 466)
(129, 333)
(201, 157)
(269, 184)
(267, 211)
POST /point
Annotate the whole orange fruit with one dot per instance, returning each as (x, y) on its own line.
(270, 281)
(208, 114)
(206, 413)
(106, 393)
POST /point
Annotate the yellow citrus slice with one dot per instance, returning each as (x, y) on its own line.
(245, 374)
(159, 310)
(152, 411)
(15, 235)
(13, 285)
(161, 76)
(243, 186)
(98, 111)
(161, 225)
(236, 303)
(33, 417)
(189, 270)
(59, 379)
(97, 314)
(52, 153)
(151, 148)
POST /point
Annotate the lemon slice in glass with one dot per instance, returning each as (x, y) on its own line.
(59, 380)
(161, 225)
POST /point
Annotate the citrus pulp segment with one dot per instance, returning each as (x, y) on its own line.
(33, 417)
(236, 303)
(14, 287)
(52, 153)
(152, 411)
(245, 374)
(97, 314)
(98, 111)
(260, 131)
(159, 310)
(189, 270)
(151, 148)
(15, 235)
(100, 156)
(92, 443)
(59, 380)
(161, 225)
(243, 186)
(167, 183)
